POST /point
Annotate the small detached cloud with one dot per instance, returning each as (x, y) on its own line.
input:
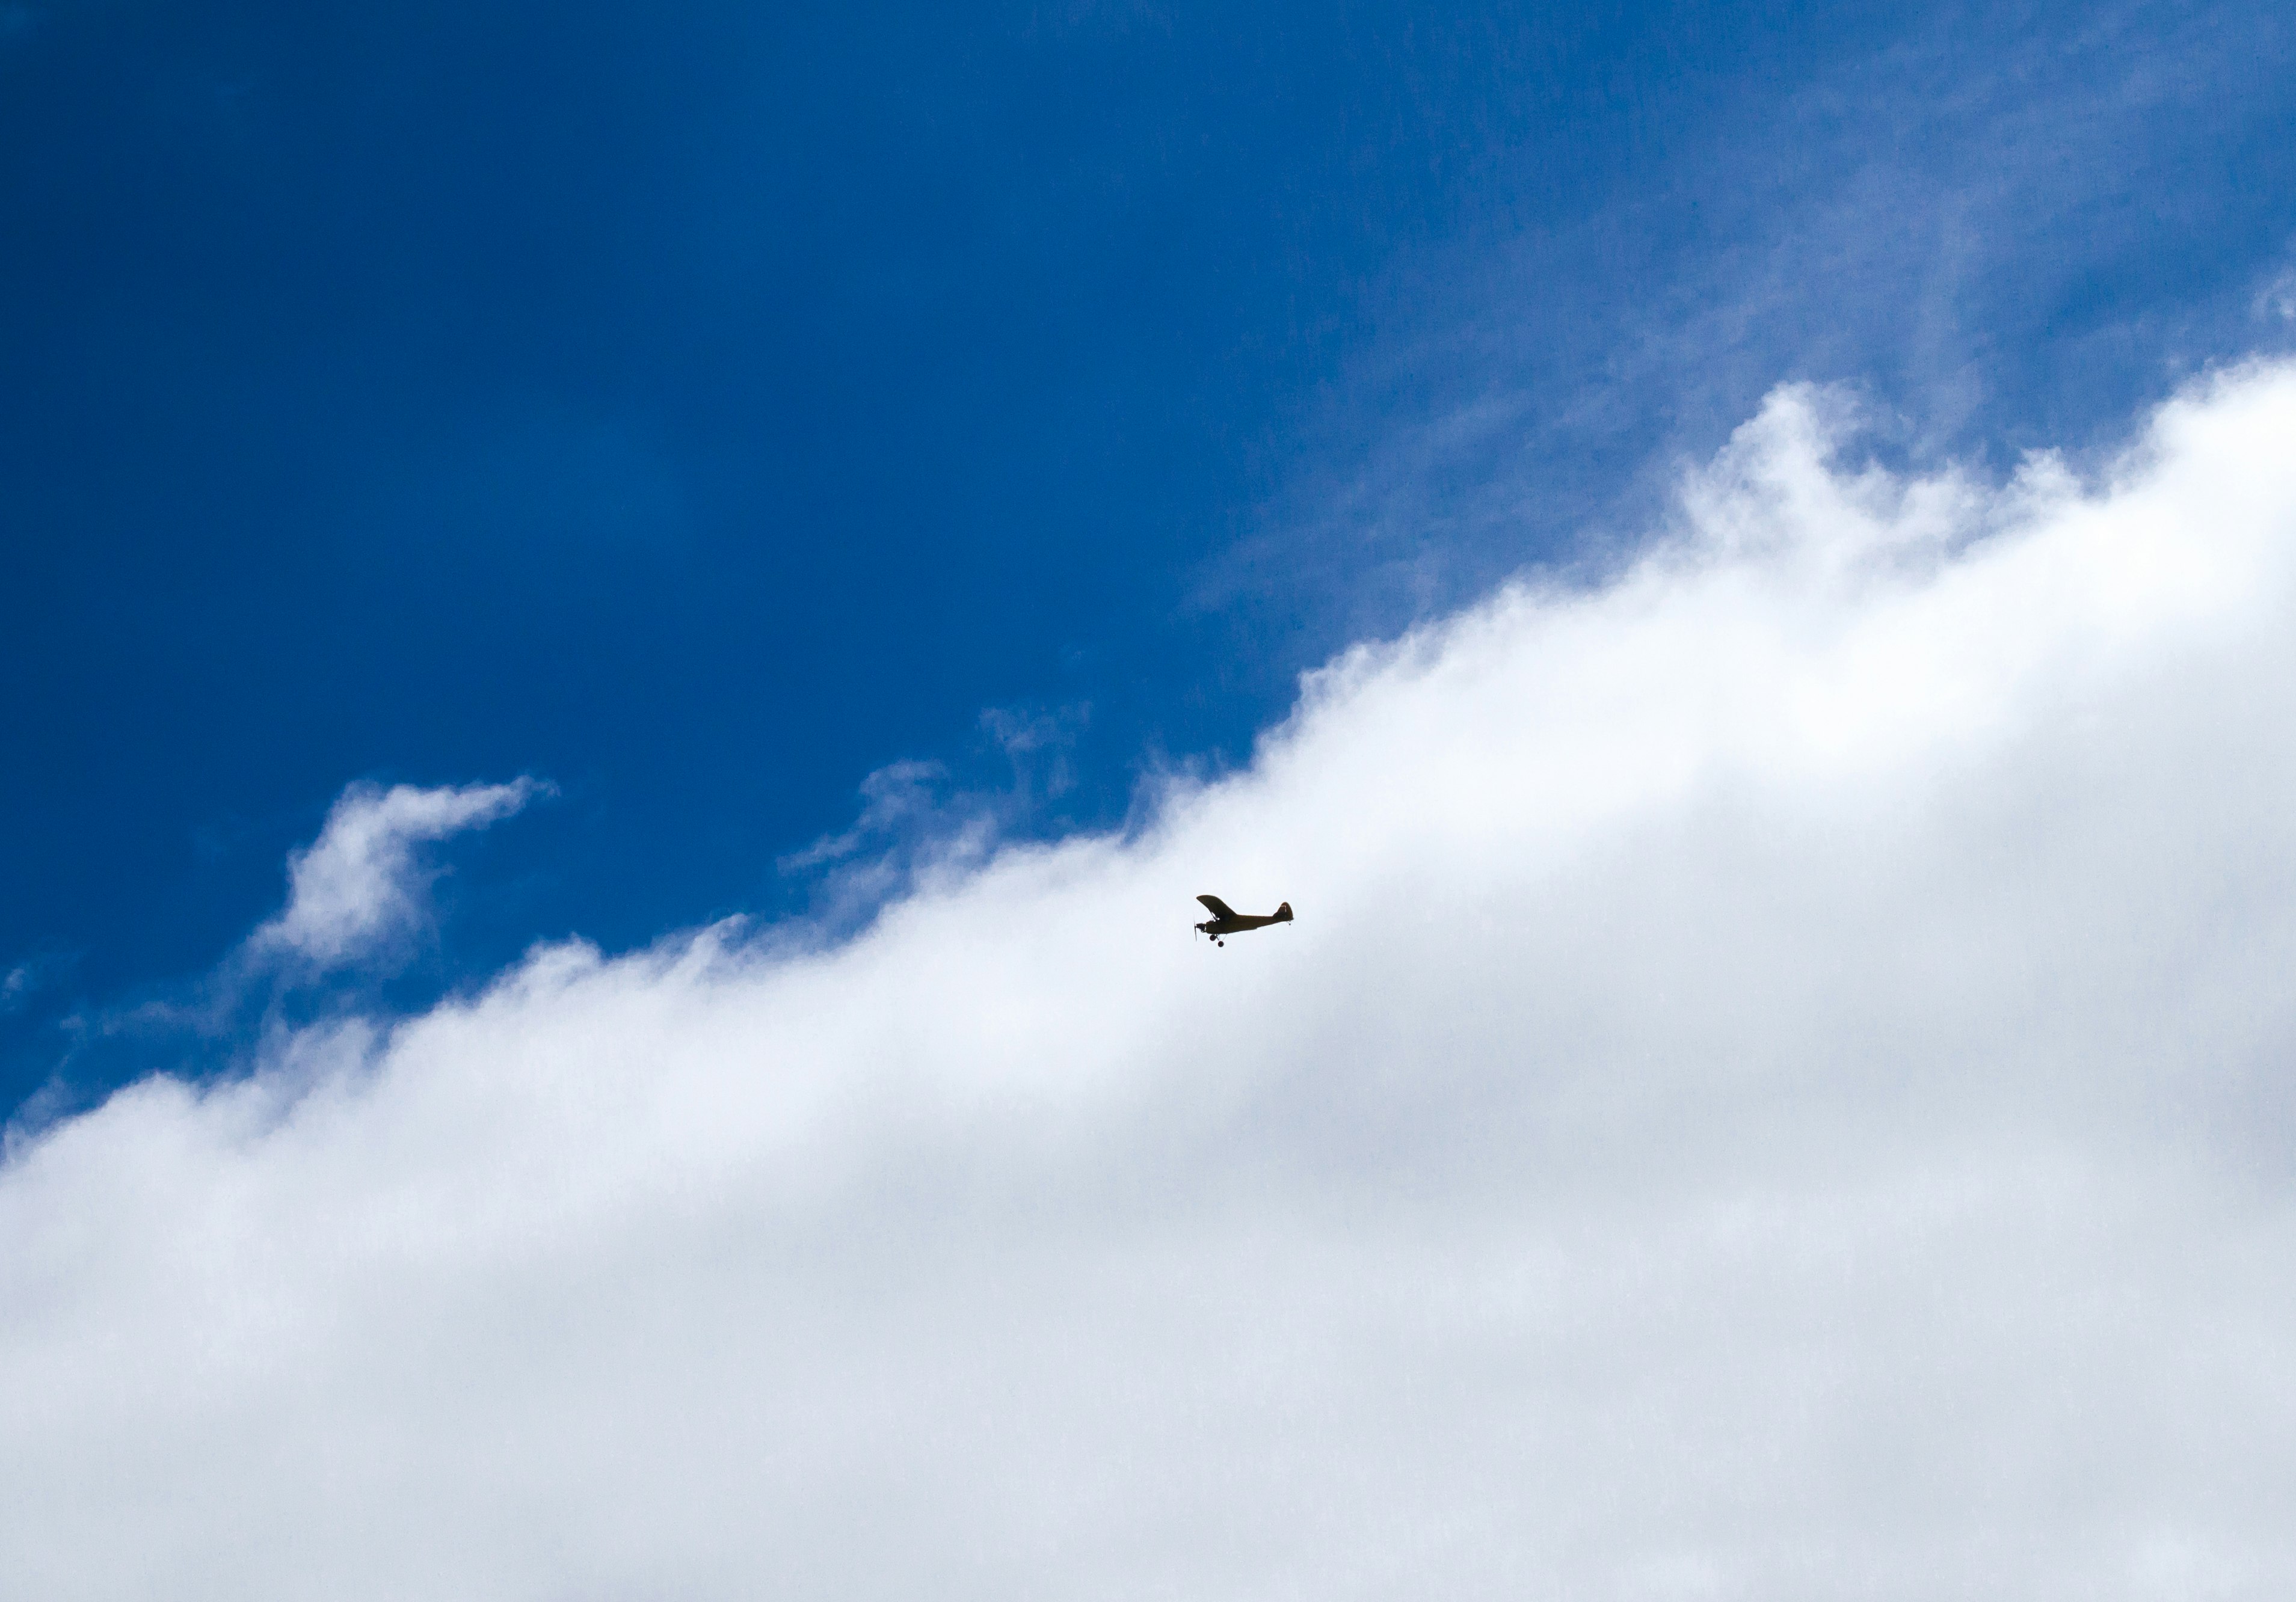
(27, 978)
(363, 882)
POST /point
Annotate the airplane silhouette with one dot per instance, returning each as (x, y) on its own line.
(1225, 919)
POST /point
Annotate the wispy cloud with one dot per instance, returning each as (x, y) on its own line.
(1777, 1087)
(358, 908)
(1942, 224)
(18, 983)
(362, 882)
(2278, 297)
(918, 819)
(37, 971)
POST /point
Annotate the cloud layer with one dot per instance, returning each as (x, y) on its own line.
(1779, 1088)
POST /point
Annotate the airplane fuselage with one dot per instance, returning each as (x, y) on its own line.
(1226, 921)
(1236, 925)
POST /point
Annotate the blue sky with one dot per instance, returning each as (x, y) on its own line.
(703, 407)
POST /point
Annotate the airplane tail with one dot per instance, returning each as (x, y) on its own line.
(1284, 913)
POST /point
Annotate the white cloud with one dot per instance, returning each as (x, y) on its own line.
(917, 821)
(1779, 1088)
(891, 797)
(1926, 248)
(361, 882)
(2278, 299)
(35, 973)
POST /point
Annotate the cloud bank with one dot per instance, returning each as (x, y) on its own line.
(1780, 1088)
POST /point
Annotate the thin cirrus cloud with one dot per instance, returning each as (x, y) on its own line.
(1778, 1088)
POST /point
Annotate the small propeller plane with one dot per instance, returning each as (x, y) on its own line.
(1225, 919)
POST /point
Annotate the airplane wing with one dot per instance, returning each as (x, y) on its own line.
(1217, 907)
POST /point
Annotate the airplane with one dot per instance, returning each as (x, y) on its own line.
(1225, 919)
